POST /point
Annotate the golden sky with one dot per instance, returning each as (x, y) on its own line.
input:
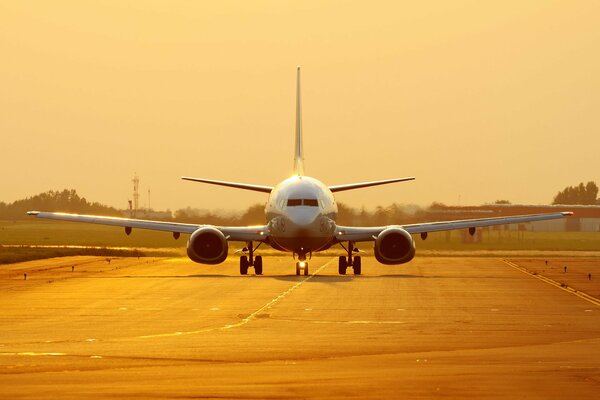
(479, 100)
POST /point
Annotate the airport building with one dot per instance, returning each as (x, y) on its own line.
(586, 218)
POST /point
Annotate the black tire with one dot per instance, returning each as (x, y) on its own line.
(357, 264)
(342, 265)
(258, 265)
(297, 268)
(305, 269)
(243, 265)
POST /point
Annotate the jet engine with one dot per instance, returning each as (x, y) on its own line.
(207, 245)
(394, 246)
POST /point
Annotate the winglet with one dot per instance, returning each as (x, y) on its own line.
(299, 151)
(33, 212)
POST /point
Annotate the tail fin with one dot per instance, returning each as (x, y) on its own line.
(299, 153)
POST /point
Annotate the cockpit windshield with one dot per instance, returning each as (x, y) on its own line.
(303, 202)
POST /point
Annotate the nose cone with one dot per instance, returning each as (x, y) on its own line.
(303, 216)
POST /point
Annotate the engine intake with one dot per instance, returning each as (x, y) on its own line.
(207, 245)
(394, 246)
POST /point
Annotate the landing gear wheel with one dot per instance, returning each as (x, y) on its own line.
(305, 269)
(244, 265)
(297, 268)
(342, 265)
(258, 265)
(357, 264)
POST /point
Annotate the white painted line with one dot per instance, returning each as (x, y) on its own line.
(249, 318)
(32, 354)
(552, 282)
(358, 322)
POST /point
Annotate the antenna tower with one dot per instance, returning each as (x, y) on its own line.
(136, 193)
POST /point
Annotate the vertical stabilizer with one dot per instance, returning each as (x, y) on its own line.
(299, 151)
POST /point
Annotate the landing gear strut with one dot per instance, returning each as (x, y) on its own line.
(251, 261)
(350, 261)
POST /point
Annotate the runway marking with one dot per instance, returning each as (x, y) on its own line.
(365, 322)
(358, 322)
(552, 282)
(249, 318)
(32, 354)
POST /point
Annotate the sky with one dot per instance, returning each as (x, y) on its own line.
(480, 100)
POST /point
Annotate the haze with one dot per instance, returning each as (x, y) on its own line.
(479, 101)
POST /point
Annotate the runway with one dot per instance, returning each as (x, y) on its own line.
(454, 327)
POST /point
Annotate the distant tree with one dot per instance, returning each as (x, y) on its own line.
(581, 194)
(502, 202)
(346, 215)
(66, 200)
(437, 206)
(254, 215)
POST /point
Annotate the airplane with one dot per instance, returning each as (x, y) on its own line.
(301, 219)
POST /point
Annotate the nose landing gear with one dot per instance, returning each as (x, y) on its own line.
(302, 266)
(350, 261)
(251, 261)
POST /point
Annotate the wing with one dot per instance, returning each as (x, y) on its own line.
(241, 233)
(363, 234)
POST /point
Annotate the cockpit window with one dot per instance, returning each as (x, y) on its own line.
(303, 202)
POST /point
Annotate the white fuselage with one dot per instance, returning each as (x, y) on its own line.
(301, 213)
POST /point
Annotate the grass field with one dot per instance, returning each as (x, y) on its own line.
(103, 239)
(40, 232)
(512, 240)
(10, 255)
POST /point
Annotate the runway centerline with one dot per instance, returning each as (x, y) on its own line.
(245, 320)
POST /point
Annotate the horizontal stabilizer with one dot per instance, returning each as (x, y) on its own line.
(245, 186)
(339, 188)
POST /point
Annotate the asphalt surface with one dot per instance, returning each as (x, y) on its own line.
(82, 327)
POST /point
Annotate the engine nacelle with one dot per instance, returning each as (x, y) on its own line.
(207, 245)
(394, 246)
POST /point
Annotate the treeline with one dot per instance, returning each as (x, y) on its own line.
(70, 201)
(64, 201)
(254, 215)
(581, 194)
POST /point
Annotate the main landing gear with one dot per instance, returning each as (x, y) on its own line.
(350, 261)
(251, 261)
